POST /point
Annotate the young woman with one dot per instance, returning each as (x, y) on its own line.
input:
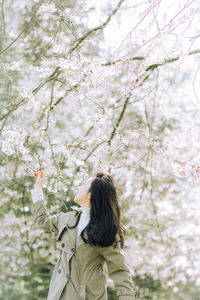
(87, 235)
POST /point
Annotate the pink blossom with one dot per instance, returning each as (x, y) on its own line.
(162, 178)
(191, 183)
(182, 173)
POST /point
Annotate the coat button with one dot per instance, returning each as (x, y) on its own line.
(62, 245)
(59, 270)
(67, 276)
(73, 249)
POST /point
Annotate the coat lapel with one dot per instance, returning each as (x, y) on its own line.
(77, 240)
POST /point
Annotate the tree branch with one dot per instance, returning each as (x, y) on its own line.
(100, 27)
(24, 29)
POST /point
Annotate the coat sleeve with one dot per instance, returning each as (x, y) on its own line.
(119, 271)
(40, 212)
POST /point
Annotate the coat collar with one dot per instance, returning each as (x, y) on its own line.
(76, 208)
(78, 241)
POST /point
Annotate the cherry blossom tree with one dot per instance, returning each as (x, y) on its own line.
(108, 85)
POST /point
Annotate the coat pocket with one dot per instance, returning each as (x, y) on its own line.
(82, 292)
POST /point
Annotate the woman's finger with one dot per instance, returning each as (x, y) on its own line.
(41, 173)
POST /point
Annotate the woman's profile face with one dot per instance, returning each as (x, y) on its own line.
(82, 196)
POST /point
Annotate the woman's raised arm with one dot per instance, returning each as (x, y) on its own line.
(38, 207)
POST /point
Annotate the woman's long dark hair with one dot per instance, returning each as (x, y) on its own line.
(105, 216)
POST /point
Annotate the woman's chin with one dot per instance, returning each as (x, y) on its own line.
(76, 199)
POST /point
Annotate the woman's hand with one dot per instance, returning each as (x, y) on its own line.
(40, 178)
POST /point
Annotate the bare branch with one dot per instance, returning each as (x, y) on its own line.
(34, 91)
(24, 29)
(100, 27)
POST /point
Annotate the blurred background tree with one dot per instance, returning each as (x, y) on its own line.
(110, 85)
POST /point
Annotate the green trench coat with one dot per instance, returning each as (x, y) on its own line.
(78, 273)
